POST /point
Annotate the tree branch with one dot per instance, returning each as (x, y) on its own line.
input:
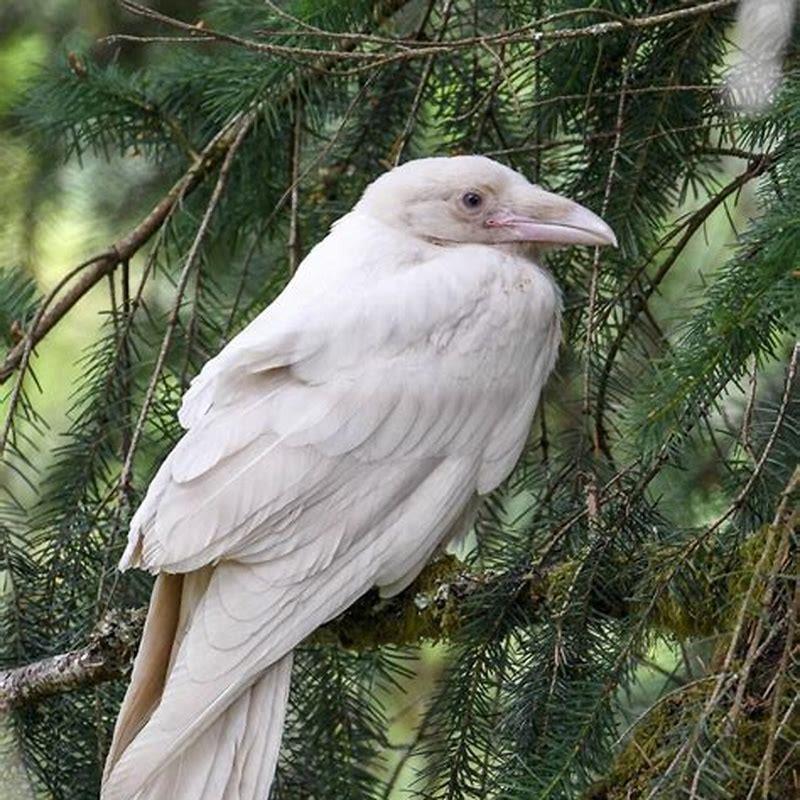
(107, 655)
(431, 609)
(101, 265)
(639, 303)
(404, 49)
(124, 248)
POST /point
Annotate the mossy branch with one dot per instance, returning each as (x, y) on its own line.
(431, 609)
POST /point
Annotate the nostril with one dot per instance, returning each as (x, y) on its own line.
(501, 221)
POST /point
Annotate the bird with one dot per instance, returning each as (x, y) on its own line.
(333, 446)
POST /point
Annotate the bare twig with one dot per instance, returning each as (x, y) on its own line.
(208, 34)
(115, 38)
(241, 130)
(287, 194)
(419, 734)
(293, 243)
(757, 645)
(739, 500)
(780, 688)
(537, 24)
(745, 435)
(402, 50)
(97, 267)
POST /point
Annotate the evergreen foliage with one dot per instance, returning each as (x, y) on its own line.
(656, 502)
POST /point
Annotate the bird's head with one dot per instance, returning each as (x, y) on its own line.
(472, 199)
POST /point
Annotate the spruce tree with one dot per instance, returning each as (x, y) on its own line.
(655, 507)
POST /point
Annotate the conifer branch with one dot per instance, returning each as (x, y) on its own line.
(102, 264)
(408, 128)
(588, 561)
(599, 443)
(690, 227)
(431, 609)
(240, 130)
(404, 50)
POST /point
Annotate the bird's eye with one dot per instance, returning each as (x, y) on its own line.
(472, 200)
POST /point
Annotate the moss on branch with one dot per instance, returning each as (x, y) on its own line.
(744, 710)
(428, 610)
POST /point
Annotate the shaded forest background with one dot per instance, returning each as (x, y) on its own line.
(623, 623)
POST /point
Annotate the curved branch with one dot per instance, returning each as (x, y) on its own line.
(123, 249)
(695, 222)
(431, 609)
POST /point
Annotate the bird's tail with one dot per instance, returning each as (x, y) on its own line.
(231, 758)
(234, 758)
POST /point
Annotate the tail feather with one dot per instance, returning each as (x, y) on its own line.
(234, 754)
(151, 666)
(235, 757)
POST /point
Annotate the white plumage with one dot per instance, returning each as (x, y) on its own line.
(332, 446)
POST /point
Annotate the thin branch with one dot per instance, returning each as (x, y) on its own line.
(423, 82)
(27, 343)
(409, 750)
(242, 129)
(191, 343)
(206, 34)
(739, 500)
(293, 243)
(599, 434)
(321, 155)
(115, 38)
(780, 688)
(287, 194)
(410, 49)
(309, 30)
(100, 265)
(745, 435)
(640, 300)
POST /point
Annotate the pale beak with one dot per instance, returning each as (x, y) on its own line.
(553, 219)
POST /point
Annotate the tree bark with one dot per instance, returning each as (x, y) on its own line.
(430, 609)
